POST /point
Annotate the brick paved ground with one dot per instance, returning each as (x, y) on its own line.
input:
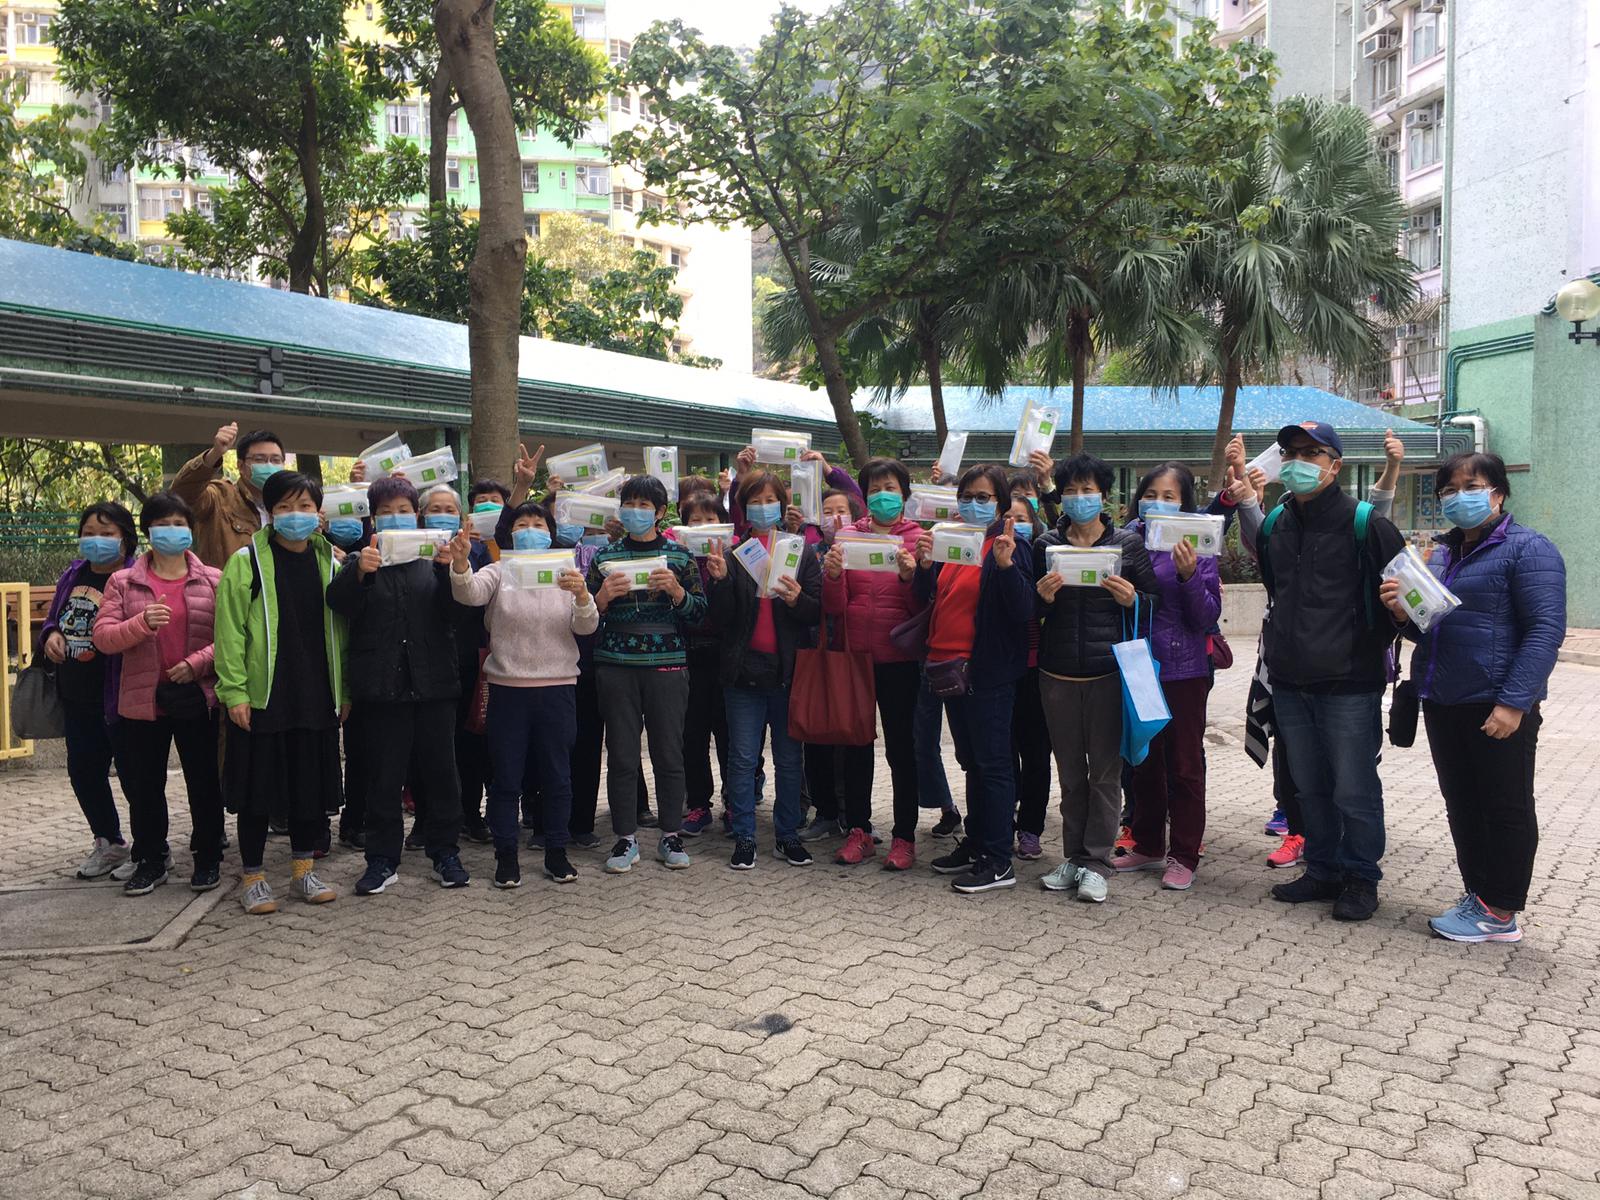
(613, 1038)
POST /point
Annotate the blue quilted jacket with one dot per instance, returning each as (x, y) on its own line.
(1500, 646)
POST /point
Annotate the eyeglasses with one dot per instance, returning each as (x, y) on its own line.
(268, 460)
(1306, 452)
(976, 497)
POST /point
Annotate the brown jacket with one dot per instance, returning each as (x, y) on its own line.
(224, 517)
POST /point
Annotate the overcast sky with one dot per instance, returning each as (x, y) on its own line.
(735, 22)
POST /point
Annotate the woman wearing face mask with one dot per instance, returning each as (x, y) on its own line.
(1169, 786)
(1079, 686)
(87, 681)
(793, 520)
(705, 722)
(825, 764)
(280, 664)
(158, 615)
(870, 604)
(1481, 673)
(1030, 737)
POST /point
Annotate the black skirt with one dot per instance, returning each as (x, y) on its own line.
(295, 773)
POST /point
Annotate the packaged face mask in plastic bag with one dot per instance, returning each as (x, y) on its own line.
(591, 512)
(955, 445)
(869, 551)
(381, 457)
(662, 462)
(346, 500)
(752, 555)
(638, 570)
(1269, 462)
(583, 465)
(1426, 599)
(425, 470)
(522, 570)
(397, 546)
(484, 523)
(807, 480)
(1200, 530)
(958, 545)
(697, 539)
(609, 484)
(779, 446)
(929, 502)
(786, 552)
(1035, 431)
(1083, 566)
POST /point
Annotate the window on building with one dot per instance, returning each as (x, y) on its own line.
(530, 224)
(452, 127)
(472, 172)
(595, 132)
(589, 23)
(452, 174)
(622, 198)
(618, 51)
(1425, 238)
(1419, 345)
(530, 177)
(33, 28)
(653, 200)
(401, 120)
(369, 12)
(150, 204)
(5, 43)
(1427, 32)
(601, 219)
(113, 173)
(202, 204)
(644, 108)
(622, 102)
(594, 178)
(677, 258)
(1389, 156)
(172, 202)
(1425, 135)
(1385, 79)
(114, 219)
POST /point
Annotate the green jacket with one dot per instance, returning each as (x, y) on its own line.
(247, 625)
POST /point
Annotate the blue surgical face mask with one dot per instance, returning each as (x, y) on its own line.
(261, 472)
(1081, 510)
(100, 550)
(529, 538)
(638, 521)
(345, 532)
(295, 526)
(448, 522)
(1024, 531)
(977, 512)
(170, 539)
(764, 516)
(1159, 508)
(570, 535)
(1468, 509)
(389, 521)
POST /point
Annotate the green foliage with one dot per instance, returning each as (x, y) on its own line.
(882, 442)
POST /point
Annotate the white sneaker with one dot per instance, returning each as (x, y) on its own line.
(1091, 886)
(125, 872)
(257, 899)
(105, 858)
(1063, 879)
(312, 890)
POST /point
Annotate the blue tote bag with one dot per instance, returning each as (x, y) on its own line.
(1144, 705)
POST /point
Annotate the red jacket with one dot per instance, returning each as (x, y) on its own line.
(873, 602)
(120, 629)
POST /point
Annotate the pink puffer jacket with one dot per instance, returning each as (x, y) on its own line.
(120, 629)
(873, 602)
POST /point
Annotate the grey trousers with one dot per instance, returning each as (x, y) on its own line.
(633, 701)
(1085, 723)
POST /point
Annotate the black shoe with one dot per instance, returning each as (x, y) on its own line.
(1357, 902)
(146, 878)
(356, 839)
(414, 839)
(278, 828)
(447, 869)
(949, 824)
(536, 840)
(794, 853)
(985, 877)
(476, 829)
(380, 873)
(958, 861)
(744, 855)
(1307, 889)
(558, 867)
(205, 878)
(648, 819)
(507, 872)
(585, 841)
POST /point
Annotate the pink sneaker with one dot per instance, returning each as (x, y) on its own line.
(1134, 861)
(857, 848)
(1289, 853)
(1177, 876)
(902, 856)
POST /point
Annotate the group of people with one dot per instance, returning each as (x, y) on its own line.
(301, 676)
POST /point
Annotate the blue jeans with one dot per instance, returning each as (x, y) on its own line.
(927, 734)
(530, 727)
(751, 712)
(1332, 743)
(980, 725)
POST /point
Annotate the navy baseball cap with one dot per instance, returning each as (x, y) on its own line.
(1318, 431)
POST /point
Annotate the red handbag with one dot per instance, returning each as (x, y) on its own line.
(833, 698)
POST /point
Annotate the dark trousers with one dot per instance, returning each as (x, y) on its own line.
(402, 744)
(531, 731)
(705, 724)
(353, 816)
(92, 748)
(897, 685)
(1487, 785)
(144, 779)
(591, 735)
(1284, 794)
(1332, 743)
(1170, 784)
(825, 777)
(304, 834)
(1030, 754)
(933, 785)
(1085, 720)
(980, 725)
(472, 769)
(635, 701)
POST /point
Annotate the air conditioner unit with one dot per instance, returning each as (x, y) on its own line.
(1381, 45)
(1433, 6)
(1420, 118)
(28, 18)
(175, 193)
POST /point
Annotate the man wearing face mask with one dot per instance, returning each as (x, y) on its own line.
(1322, 557)
(227, 512)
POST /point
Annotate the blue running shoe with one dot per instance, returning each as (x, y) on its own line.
(1277, 825)
(1470, 921)
(379, 875)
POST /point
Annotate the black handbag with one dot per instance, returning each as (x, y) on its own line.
(36, 711)
(1403, 709)
(949, 678)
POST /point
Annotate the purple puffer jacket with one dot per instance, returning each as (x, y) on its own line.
(52, 624)
(1186, 611)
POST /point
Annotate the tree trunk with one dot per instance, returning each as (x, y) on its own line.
(441, 99)
(302, 257)
(494, 315)
(1080, 373)
(932, 363)
(841, 397)
(1219, 445)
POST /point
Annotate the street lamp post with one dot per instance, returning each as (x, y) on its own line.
(1579, 301)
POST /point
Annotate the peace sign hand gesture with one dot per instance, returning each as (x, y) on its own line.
(1005, 545)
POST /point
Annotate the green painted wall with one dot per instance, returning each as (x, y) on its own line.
(1566, 444)
(1500, 390)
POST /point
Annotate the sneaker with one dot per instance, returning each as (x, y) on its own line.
(858, 847)
(558, 866)
(146, 878)
(1134, 861)
(949, 824)
(1289, 852)
(1028, 847)
(415, 840)
(355, 839)
(669, 850)
(1307, 889)
(507, 871)
(793, 852)
(821, 827)
(1277, 824)
(447, 869)
(476, 829)
(958, 862)
(744, 855)
(1470, 921)
(536, 841)
(1063, 879)
(312, 890)
(205, 878)
(587, 841)
(256, 896)
(985, 878)
(648, 819)
(125, 872)
(1091, 886)
(902, 855)
(380, 873)
(1357, 902)
(1177, 877)
(696, 821)
(1124, 842)
(623, 855)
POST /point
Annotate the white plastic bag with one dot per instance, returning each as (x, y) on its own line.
(346, 500)
(779, 445)
(807, 480)
(608, 484)
(786, 553)
(427, 470)
(1201, 530)
(591, 512)
(698, 539)
(662, 462)
(1035, 431)
(955, 445)
(930, 502)
(1083, 566)
(958, 545)
(524, 570)
(397, 546)
(638, 570)
(1269, 462)
(484, 523)
(1425, 598)
(381, 457)
(583, 465)
(869, 551)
